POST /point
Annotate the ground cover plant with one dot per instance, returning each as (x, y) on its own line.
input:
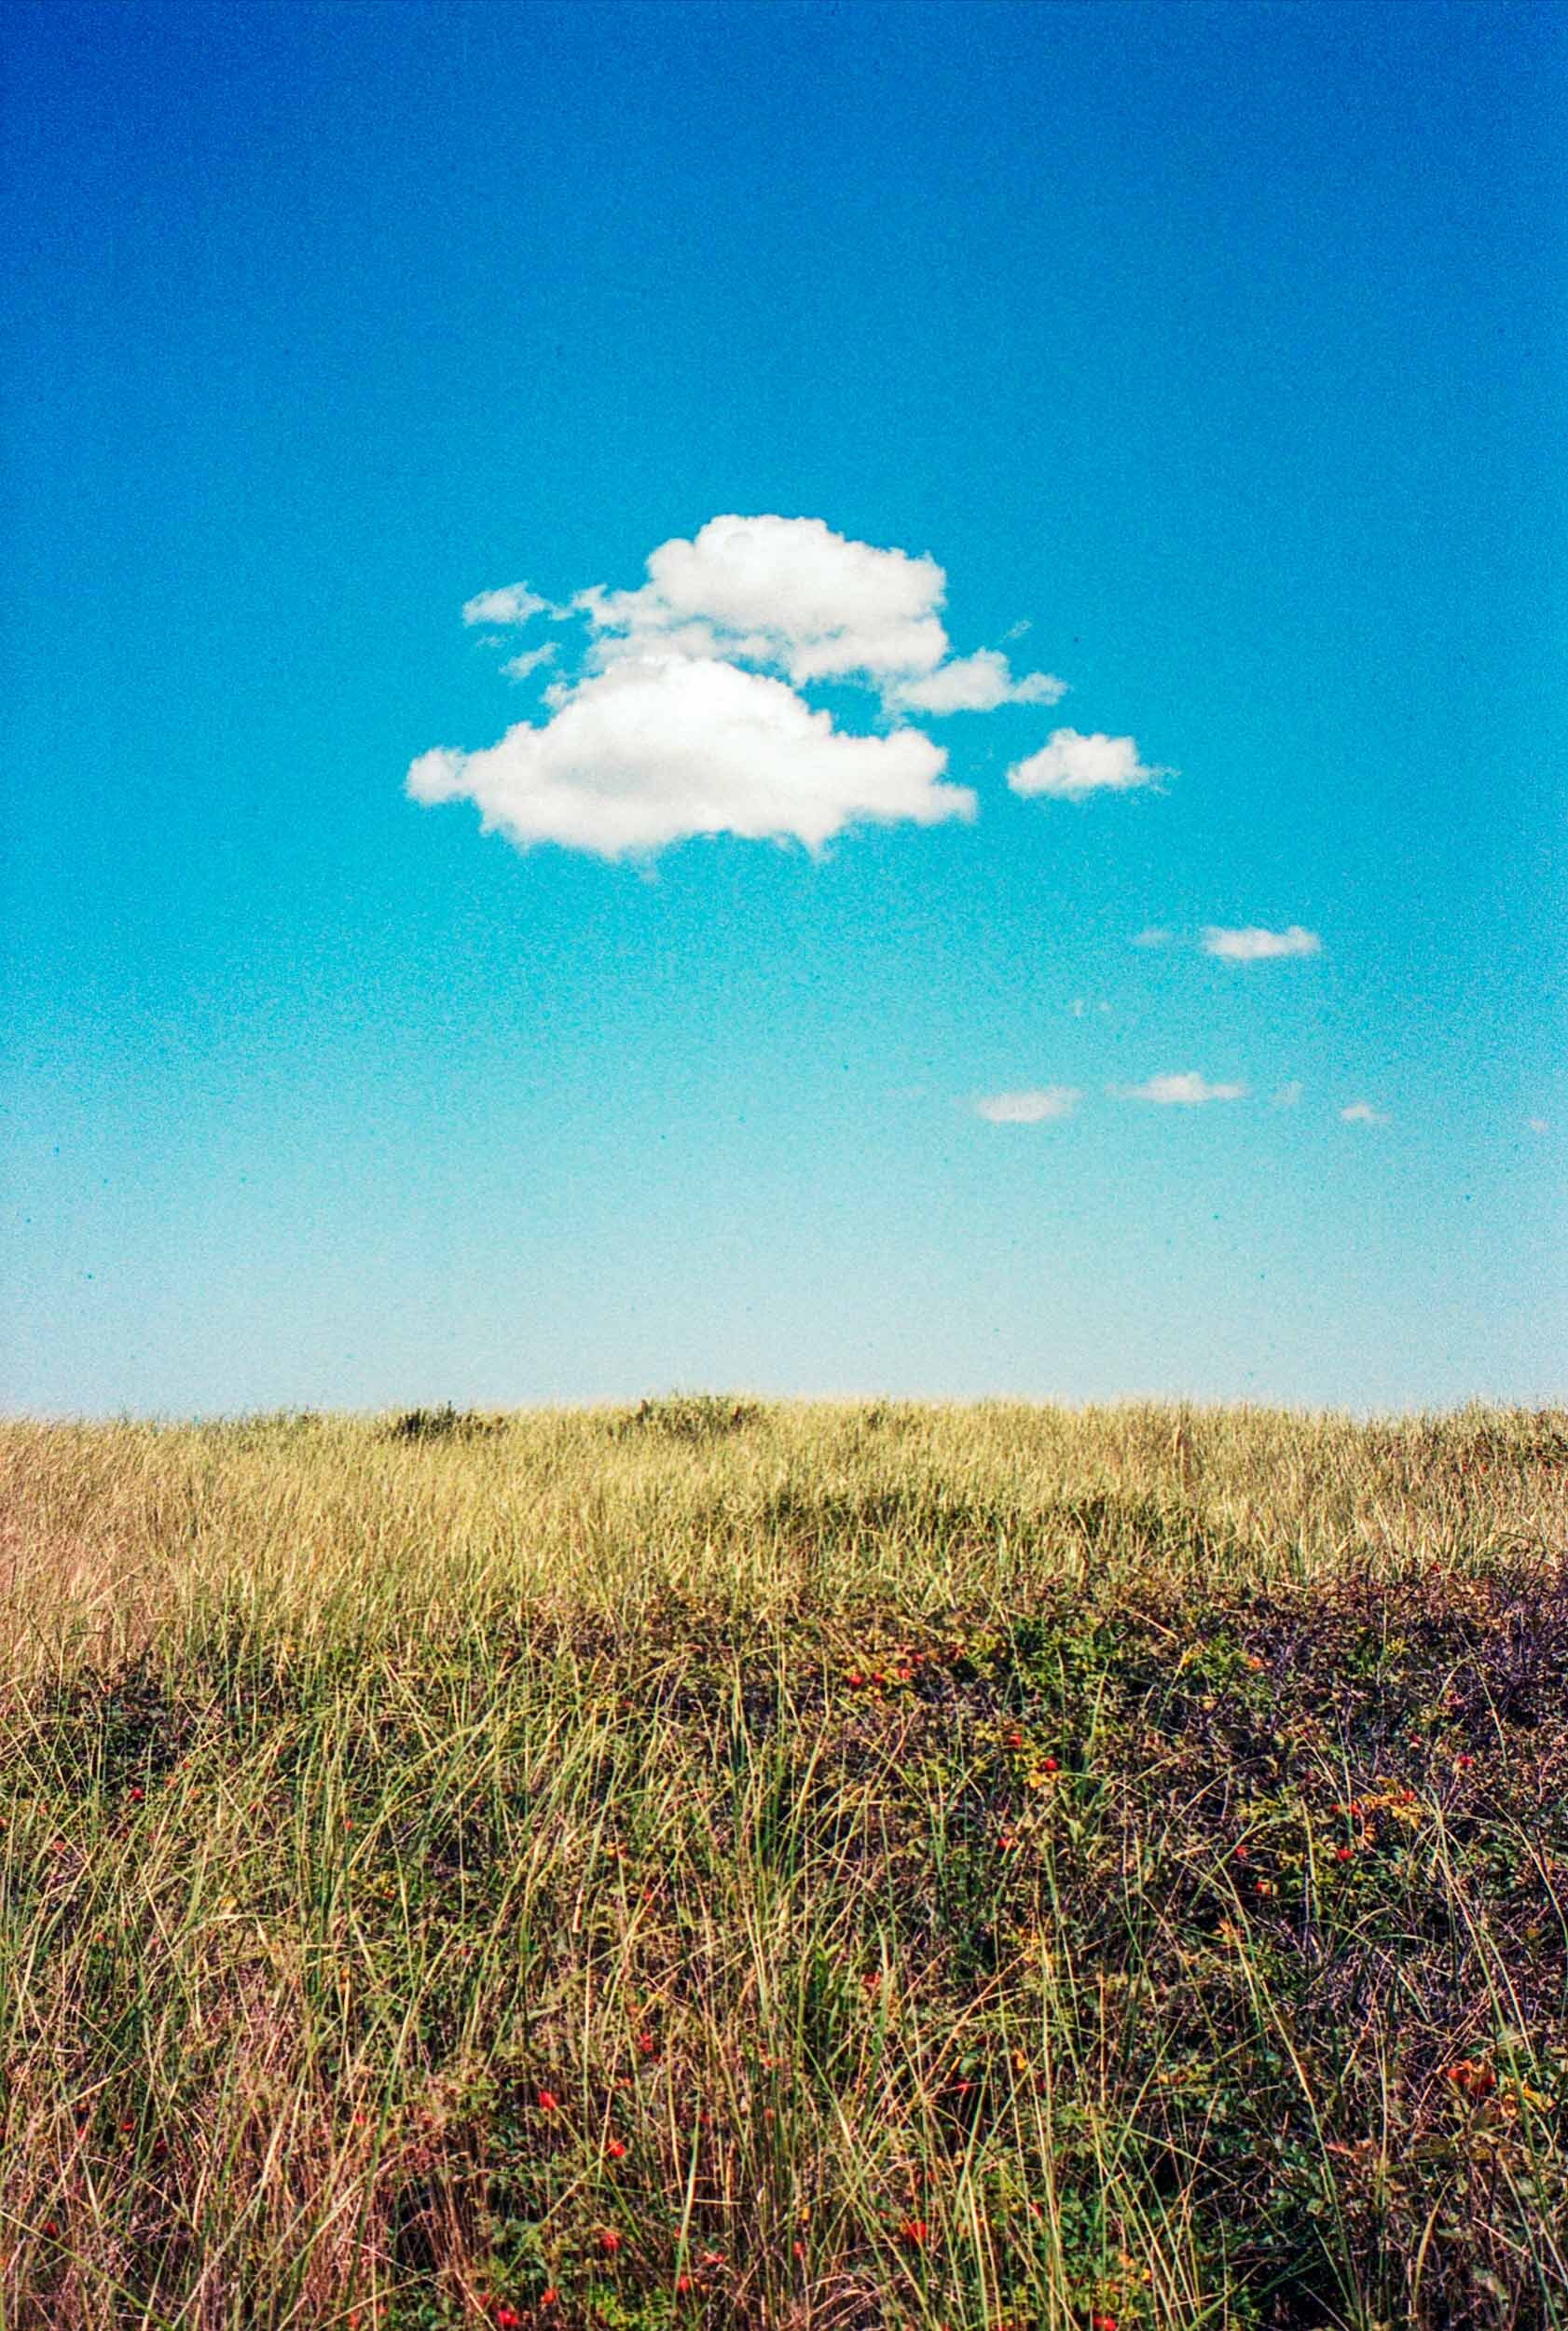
(792, 1865)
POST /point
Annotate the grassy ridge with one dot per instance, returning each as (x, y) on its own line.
(820, 1866)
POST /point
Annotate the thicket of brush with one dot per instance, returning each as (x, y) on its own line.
(820, 1866)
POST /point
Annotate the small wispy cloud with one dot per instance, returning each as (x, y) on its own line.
(1256, 945)
(1155, 936)
(519, 667)
(1363, 1113)
(1289, 1096)
(1041, 1104)
(1069, 766)
(1537, 1124)
(513, 603)
(1182, 1089)
(976, 684)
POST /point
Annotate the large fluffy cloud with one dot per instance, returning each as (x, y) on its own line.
(680, 714)
(1071, 766)
(785, 591)
(791, 595)
(657, 748)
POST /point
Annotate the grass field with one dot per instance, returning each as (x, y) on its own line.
(813, 1865)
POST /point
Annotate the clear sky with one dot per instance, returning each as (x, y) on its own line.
(742, 995)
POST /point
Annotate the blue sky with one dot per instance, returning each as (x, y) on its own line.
(1215, 357)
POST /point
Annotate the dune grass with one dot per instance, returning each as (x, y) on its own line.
(836, 1865)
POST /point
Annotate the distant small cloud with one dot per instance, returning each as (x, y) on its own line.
(1289, 1096)
(519, 667)
(1069, 766)
(1155, 936)
(1255, 946)
(1183, 1090)
(1537, 1124)
(1043, 1104)
(1362, 1114)
(514, 603)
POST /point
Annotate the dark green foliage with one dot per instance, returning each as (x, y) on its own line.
(691, 1415)
(444, 1424)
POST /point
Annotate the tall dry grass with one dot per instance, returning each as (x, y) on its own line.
(815, 1865)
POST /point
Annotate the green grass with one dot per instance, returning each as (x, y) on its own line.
(795, 1867)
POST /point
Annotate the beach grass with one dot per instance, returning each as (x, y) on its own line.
(794, 1864)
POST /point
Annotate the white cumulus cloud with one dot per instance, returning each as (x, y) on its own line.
(1254, 946)
(1070, 766)
(514, 603)
(677, 710)
(657, 749)
(792, 596)
(783, 591)
(977, 683)
(1362, 1114)
(1039, 1106)
(1183, 1089)
(1289, 1096)
(1155, 935)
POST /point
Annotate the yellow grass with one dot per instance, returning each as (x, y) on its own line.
(960, 1865)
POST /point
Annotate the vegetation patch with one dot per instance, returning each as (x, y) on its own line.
(444, 1424)
(691, 1415)
(1107, 1883)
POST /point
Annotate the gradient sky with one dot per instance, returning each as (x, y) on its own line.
(1223, 348)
